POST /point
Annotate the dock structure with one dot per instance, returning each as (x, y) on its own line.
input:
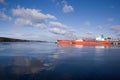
(114, 41)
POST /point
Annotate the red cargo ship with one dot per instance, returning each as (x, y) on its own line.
(83, 42)
(98, 41)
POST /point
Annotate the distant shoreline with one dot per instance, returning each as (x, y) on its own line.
(6, 39)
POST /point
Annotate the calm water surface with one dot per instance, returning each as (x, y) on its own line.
(49, 61)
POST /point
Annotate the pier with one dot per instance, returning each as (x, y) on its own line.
(115, 41)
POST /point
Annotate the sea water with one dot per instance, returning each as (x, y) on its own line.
(50, 61)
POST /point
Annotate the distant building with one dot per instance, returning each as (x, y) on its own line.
(112, 39)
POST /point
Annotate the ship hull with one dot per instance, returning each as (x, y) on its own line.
(87, 42)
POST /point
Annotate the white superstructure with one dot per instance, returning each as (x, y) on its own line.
(100, 38)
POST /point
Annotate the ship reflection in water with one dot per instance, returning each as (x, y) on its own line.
(86, 46)
(49, 61)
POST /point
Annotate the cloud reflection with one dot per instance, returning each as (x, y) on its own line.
(24, 65)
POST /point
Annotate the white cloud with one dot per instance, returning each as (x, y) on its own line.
(118, 35)
(89, 33)
(67, 33)
(35, 18)
(40, 25)
(61, 29)
(110, 19)
(115, 28)
(57, 24)
(57, 31)
(99, 27)
(2, 2)
(48, 16)
(31, 16)
(64, 2)
(67, 8)
(23, 22)
(87, 23)
(5, 17)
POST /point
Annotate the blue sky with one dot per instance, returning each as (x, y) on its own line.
(59, 19)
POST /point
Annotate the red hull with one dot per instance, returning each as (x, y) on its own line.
(86, 42)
